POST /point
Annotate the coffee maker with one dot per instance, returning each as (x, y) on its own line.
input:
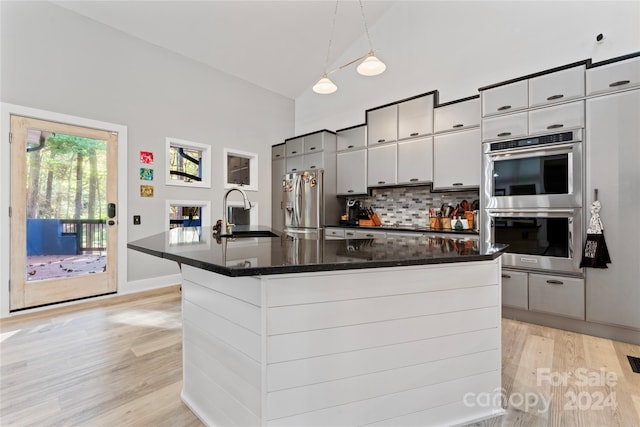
(353, 212)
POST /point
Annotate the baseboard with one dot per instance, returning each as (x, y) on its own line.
(149, 284)
(583, 327)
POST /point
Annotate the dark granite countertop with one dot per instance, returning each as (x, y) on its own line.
(243, 255)
(417, 229)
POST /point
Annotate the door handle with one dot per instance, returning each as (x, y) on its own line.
(111, 210)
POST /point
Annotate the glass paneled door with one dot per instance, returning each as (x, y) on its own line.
(63, 212)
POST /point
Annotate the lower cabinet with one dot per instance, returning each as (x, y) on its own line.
(515, 289)
(558, 295)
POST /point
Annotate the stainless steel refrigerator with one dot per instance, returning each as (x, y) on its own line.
(303, 199)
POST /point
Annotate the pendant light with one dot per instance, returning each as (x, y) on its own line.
(370, 65)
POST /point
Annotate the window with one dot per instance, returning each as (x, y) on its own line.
(188, 163)
(188, 213)
(240, 169)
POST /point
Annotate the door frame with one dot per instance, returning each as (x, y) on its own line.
(6, 110)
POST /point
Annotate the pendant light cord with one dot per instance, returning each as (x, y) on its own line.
(333, 28)
(366, 28)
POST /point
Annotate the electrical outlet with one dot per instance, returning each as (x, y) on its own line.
(136, 220)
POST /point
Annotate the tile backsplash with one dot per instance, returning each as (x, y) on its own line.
(410, 205)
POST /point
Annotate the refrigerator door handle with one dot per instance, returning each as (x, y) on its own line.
(298, 197)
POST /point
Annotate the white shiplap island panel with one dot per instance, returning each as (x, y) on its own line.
(383, 346)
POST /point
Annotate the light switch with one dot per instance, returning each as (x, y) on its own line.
(136, 220)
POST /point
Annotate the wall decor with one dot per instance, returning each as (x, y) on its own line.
(146, 174)
(146, 157)
(146, 191)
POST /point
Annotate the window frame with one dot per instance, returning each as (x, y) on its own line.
(205, 163)
(253, 169)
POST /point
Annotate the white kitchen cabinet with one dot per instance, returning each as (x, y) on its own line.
(352, 172)
(382, 125)
(457, 116)
(557, 118)
(415, 161)
(515, 289)
(613, 156)
(505, 127)
(313, 142)
(457, 159)
(295, 164)
(505, 98)
(382, 161)
(559, 295)
(278, 169)
(559, 86)
(294, 146)
(313, 161)
(415, 117)
(615, 76)
(352, 138)
(370, 234)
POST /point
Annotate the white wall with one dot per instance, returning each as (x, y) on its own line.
(458, 46)
(56, 60)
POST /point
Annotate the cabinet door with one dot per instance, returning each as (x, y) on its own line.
(382, 125)
(352, 138)
(457, 159)
(294, 146)
(352, 172)
(382, 164)
(610, 77)
(313, 142)
(278, 152)
(295, 164)
(508, 127)
(557, 87)
(457, 116)
(505, 99)
(415, 117)
(557, 119)
(277, 172)
(559, 295)
(613, 156)
(515, 289)
(313, 161)
(415, 161)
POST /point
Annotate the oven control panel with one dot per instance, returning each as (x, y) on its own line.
(529, 142)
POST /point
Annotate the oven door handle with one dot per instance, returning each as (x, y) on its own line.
(530, 211)
(539, 149)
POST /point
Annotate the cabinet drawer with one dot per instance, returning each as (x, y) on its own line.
(557, 295)
(278, 152)
(505, 99)
(382, 125)
(313, 161)
(515, 289)
(295, 164)
(509, 127)
(369, 234)
(557, 87)
(352, 138)
(619, 75)
(335, 233)
(415, 117)
(313, 142)
(349, 234)
(457, 116)
(558, 118)
(294, 146)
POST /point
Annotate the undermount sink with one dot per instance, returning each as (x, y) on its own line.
(251, 233)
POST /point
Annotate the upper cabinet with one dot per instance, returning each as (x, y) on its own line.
(415, 161)
(457, 160)
(615, 76)
(382, 125)
(352, 138)
(559, 86)
(457, 116)
(278, 152)
(505, 98)
(415, 117)
(313, 142)
(294, 146)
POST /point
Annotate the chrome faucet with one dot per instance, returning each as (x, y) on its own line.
(226, 227)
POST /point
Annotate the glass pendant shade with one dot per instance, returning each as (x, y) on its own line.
(324, 86)
(371, 66)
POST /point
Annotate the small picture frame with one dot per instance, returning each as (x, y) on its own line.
(146, 174)
(146, 191)
(146, 157)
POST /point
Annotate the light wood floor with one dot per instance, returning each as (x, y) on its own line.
(118, 362)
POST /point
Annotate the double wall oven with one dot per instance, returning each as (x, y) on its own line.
(532, 193)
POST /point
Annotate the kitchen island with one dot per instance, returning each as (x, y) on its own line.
(282, 331)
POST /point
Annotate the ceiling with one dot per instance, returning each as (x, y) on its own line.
(278, 45)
